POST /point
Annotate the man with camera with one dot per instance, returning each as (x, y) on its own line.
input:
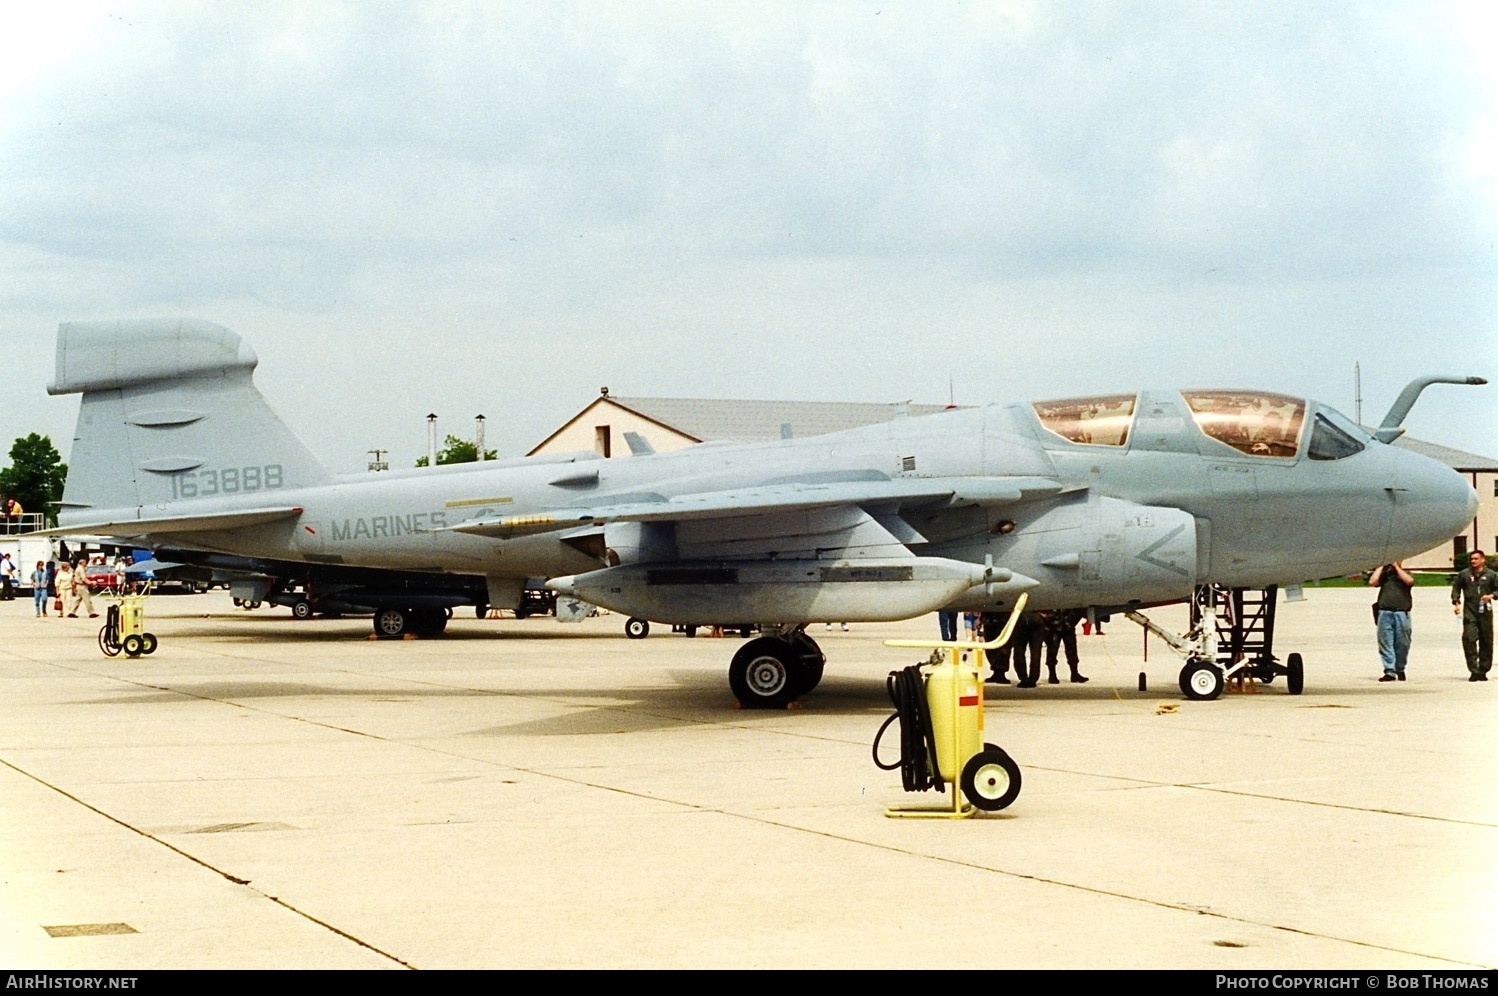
(1393, 610)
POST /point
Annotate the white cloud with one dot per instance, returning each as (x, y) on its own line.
(811, 188)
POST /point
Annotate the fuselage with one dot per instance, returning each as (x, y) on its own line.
(1147, 503)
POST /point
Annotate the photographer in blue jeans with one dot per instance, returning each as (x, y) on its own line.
(1394, 603)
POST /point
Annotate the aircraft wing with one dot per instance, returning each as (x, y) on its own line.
(771, 498)
(202, 522)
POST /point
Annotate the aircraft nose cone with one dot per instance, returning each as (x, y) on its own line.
(1434, 504)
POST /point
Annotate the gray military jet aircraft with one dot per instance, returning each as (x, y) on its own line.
(1106, 503)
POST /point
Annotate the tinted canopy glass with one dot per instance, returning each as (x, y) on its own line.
(1103, 420)
(1252, 422)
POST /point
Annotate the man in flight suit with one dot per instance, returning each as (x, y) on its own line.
(1472, 598)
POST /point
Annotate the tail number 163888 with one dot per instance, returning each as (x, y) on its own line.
(226, 481)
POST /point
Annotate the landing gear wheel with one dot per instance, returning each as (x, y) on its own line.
(132, 645)
(1201, 680)
(990, 779)
(691, 631)
(813, 662)
(766, 674)
(636, 628)
(148, 643)
(428, 622)
(1295, 674)
(810, 675)
(391, 623)
(301, 609)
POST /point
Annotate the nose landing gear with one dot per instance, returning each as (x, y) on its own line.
(1231, 638)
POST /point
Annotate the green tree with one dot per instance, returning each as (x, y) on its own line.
(455, 450)
(35, 476)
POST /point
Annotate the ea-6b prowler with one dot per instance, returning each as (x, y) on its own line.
(1104, 503)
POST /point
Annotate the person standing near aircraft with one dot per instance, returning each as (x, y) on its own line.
(1394, 603)
(81, 598)
(1472, 599)
(7, 578)
(1029, 634)
(65, 603)
(998, 660)
(1061, 633)
(39, 588)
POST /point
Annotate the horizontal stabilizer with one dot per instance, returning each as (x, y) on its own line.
(202, 523)
(101, 356)
(774, 498)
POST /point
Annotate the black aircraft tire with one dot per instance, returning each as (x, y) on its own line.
(809, 674)
(1201, 681)
(301, 609)
(813, 663)
(765, 674)
(1295, 674)
(148, 643)
(427, 621)
(990, 779)
(390, 624)
(636, 628)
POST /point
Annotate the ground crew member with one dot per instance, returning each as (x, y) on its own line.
(1472, 598)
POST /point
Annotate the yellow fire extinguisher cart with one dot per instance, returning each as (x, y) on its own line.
(124, 628)
(953, 717)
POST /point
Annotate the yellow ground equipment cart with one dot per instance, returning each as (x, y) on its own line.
(124, 628)
(940, 708)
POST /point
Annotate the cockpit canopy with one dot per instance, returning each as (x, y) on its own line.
(1255, 423)
(1252, 422)
(1100, 421)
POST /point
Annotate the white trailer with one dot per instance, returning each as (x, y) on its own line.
(25, 549)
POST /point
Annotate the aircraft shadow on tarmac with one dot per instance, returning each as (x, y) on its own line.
(354, 629)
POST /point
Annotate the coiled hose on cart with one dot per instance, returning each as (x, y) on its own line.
(907, 690)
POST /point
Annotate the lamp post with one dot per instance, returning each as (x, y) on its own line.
(432, 439)
(478, 434)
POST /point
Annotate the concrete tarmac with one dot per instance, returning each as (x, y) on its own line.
(267, 793)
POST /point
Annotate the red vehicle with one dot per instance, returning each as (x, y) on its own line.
(99, 577)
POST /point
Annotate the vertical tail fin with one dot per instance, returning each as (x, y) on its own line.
(169, 412)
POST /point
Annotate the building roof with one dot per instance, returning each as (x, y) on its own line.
(1455, 459)
(717, 419)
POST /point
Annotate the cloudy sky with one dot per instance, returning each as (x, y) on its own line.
(497, 208)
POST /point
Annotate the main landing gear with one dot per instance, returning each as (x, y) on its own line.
(394, 623)
(1231, 637)
(772, 671)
